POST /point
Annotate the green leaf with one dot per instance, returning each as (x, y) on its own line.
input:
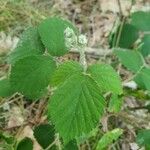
(7, 138)
(29, 44)
(72, 145)
(143, 138)
(108, 138)
(141, 20)
(44, 134)
(31, 75)
(5, 88)
(52, 35)
(25, 144)
(127, 41)
(115, 103)
(106, 77)
(132, 60)
(65, 71)
(143, 78)
(146, 45)
(76, 107)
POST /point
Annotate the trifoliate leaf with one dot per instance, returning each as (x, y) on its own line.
(52, 35)
(143, 78)
(76, 107)
(72, 145)
(65, 71)
(115, 103)
(108, 138)
(31, 75)
(145, 50)
(5, 88)
(127, 41)
(143, 138)
(44, 134)
(29, 44)
(141, 20)
(25, 144)
(106, 77)
(132, 60)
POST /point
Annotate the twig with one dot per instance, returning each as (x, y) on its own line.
(120, 9)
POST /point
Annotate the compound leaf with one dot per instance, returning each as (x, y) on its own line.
(141, 20)
(65, 71)
(76, 107)
(29, 44)
(52, 35)
(132, 60)
(108, 138)
(5, 88)
(31, 75)
(106, 77)
(44, 134)
(25, 144)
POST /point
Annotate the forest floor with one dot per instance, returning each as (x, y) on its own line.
(95, 19)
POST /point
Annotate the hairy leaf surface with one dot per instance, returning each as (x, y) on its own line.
(52, 34)
(65, 71)
(106, 77)
(29, 44)
(76, 107)
(32, 74)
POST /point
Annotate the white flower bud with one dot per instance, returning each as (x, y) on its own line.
(70, 38)
(69, 32)
(82, 40)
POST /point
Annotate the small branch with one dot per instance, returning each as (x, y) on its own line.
(137, 108)
(120, 9)
(120, 30)
(83, 59)
(94, 52)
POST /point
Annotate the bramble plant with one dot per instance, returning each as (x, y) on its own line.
(77, 100)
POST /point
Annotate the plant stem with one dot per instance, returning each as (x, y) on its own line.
(83, 59)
